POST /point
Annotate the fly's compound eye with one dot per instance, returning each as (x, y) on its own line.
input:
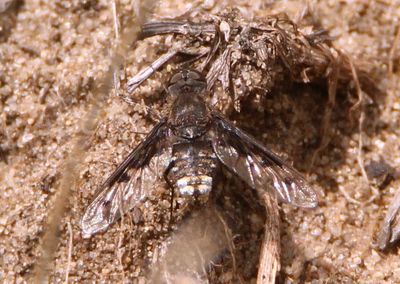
(187, 81)
(175, 78)
(194, 75)
(187, 76)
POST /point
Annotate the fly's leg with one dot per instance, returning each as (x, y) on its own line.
(171, 186)
(149, 112)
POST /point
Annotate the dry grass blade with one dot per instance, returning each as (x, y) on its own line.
(70, 246)
(325, 127)
(393, 50)
(360, 158)
(390, 228)
(269, 265)
(135, 81)
(50, 239)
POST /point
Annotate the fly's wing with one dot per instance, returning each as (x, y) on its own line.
(130, 183)
(258, 166)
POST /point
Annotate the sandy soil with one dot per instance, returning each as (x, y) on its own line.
(62, 131)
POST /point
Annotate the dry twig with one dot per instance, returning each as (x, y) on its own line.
(269, 264)
(70, 245)
(390, 228)
(361, 102)
(50, 239)
(393, 50)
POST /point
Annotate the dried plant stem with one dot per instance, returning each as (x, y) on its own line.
(120, 254)
(49, 241)
(359, 92)
(70, 245)
(116, 79)
(361, 103)
(393, 50)
(229, 239)
(348, 197)
(116, 82)
(115, 18)
(360, 160)
(332, 88)
(390, 228)
(270, 250)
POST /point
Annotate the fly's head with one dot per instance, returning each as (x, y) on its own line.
(187, 81)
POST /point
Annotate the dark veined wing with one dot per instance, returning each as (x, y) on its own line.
(259, 167)
(130, 183)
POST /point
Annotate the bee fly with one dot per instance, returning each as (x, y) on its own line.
(187, 148)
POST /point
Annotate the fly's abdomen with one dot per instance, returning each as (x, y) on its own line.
(194, 169)
(194, 184)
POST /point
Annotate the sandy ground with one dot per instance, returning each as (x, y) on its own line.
(62, 134)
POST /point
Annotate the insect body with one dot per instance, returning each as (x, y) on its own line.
(194, 163)
(187, 148)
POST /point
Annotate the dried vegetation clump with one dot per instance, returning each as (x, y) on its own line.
(252, 58)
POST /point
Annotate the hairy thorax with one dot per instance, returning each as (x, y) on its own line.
(189, 117)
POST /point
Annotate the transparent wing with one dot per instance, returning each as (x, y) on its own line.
(130, 183)
(258, 166)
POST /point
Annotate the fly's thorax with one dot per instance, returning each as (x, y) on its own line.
(189, 117)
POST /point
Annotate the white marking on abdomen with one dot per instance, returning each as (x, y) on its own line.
(189, 185)
(193, 180)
